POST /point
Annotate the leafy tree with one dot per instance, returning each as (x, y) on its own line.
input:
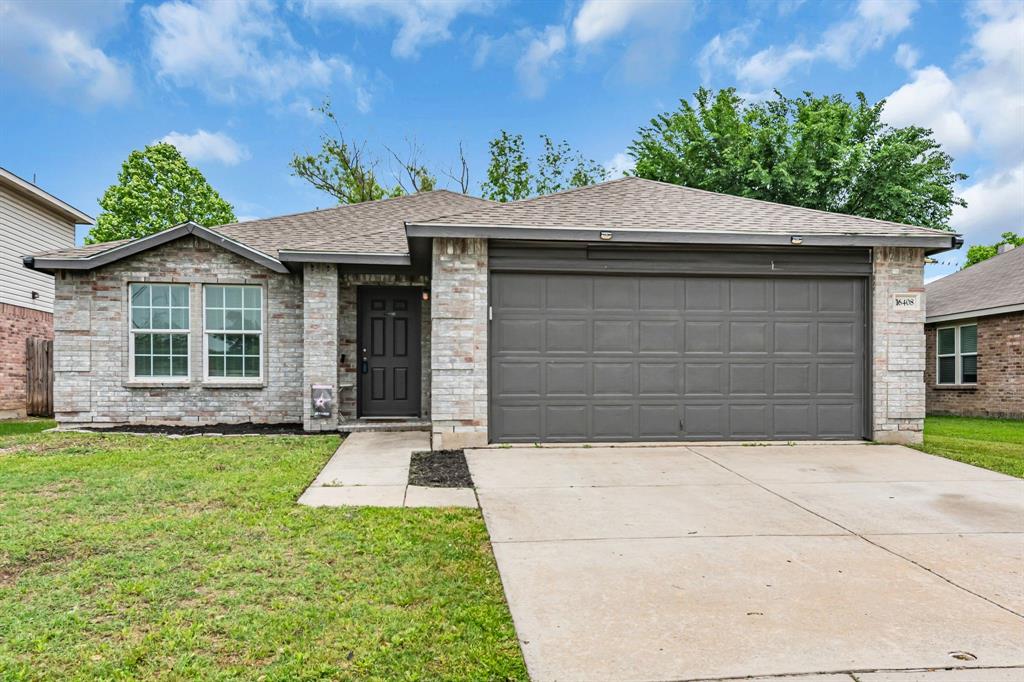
(558, 167)
(157, 189)
(980, 252)
(508, 175)
(819, 152)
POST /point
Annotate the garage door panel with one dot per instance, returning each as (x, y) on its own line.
(618, 357)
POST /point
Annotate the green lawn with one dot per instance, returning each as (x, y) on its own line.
(127, 557)
(996, 444)
(12, 426)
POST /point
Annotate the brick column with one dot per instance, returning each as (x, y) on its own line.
(458, 355)
(898, 347)
(320, 340)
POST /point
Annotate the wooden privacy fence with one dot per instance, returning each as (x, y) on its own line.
(39, 382)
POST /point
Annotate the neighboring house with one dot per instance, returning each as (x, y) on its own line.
(30, 220)
(632, 310)
(975, 332)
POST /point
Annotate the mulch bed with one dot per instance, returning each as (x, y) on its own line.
(246, 429)
(440, 469)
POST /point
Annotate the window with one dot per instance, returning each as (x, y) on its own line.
(957, 353)
(234, 332)
(159, 331)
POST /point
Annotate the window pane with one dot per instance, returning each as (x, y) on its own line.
(252, 344)
(233, 366)
(947, 370)
(233, 320)
(969, 339)
(142, 366)
(214, 297)
(179, 318)
(143, 344)
(216, 344)
(969, 367)
(179, 344)
(251, 320)
(179, 366)
(947, 341)
(179, 296)
(161, 318)
(140, 318)
(161, 366)
(161, 295)
(140, 294)
(252, 297)
(232, 297)
(214, 319)
(252, 367)
(216, 365)
(233, 344)
(161, 344)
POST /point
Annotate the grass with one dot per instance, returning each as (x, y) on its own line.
(12, 426)
(127, 557)
(996, 444)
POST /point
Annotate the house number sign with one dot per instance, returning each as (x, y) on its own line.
(910, 301)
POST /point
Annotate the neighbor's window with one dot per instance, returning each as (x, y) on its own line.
(234, 332)
(159, 331)
(957, 351)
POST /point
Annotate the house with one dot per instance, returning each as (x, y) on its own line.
(631, 310)
(974, 327)
(30, 220)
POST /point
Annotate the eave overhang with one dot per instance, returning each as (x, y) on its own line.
(936, 243)
(299, 256)
(970, 314)
(52, 264)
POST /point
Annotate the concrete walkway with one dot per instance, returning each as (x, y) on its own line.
(837, 563)
(372, 469)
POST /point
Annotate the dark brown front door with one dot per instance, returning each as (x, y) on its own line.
(389, 351)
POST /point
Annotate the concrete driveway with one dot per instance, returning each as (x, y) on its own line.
(852, 562)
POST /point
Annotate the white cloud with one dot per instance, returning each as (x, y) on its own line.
(930, 100)
(537, 63)
(618, 165)
(906, 56)
(722, 49)
(994, 205)
(240, 49)
(55, 47)
(843, 43)
(206, 146)
(421, 22)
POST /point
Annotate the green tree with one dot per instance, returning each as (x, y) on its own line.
(819, 152)
(157, 189)
(980, 252)
(558, 167)
(508, 175)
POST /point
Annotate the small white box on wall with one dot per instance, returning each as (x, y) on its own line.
(906, 301)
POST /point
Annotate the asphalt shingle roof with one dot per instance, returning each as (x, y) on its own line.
(994, 283)
(636, 203)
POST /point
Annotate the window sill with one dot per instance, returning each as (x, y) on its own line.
(212, 383)
(955, 387)
(138, 383)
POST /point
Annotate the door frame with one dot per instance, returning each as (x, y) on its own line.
(415, 294)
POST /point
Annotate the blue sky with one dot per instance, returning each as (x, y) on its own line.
(231, 83)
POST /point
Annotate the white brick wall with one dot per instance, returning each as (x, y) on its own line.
(320, 340)
(459, 351)
(898, 347)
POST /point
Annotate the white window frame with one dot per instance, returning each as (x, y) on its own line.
(132, 332)
(957, 353)
(240, 381)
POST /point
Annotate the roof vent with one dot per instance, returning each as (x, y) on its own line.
(1003, 248)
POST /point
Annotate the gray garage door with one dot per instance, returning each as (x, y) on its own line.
(621, 358)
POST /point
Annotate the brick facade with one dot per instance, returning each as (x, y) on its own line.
(16, 325)
(91, 382)
(319, 340)
(897, 347)
(1000, 388)
(459, 363)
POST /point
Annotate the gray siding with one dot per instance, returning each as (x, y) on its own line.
(25, 228)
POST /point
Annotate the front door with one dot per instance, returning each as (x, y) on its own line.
(389, 351)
